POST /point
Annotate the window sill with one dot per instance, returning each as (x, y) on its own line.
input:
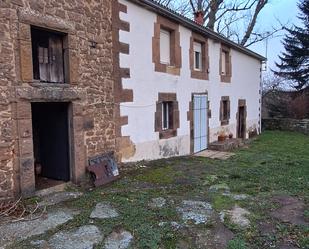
(46, 84)
(201, 75)
(224, 122)
(226, 78)
(167, 134)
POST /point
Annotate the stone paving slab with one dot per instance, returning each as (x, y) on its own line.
(84, 237)
(22, 230)
(213, 154)
(103, 210)
(198, 211)
(118, 240)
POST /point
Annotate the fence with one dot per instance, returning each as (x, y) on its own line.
(286, 124)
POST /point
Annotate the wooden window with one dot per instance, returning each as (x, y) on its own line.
(165, 47)
(197, 56)
(47, 56)
(225, 110)
(199, 60)
(225, 64)
(167, 115)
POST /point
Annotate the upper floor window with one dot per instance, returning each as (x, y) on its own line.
(166, 50)
(165, 46)
(225, 64)
(47, 56)
(198, 56)
(199, 60)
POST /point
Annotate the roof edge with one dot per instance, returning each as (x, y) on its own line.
(166, 12)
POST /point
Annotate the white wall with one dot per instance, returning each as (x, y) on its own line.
(146, 84)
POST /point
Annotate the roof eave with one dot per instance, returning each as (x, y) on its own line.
(155, 7)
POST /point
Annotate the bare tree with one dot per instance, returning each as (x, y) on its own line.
(235, 19)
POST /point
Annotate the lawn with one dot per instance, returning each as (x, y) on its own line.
(272, 174)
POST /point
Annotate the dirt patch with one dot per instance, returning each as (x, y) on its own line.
(286, 245)
(267, 228)
(291, 210)
(216, 238)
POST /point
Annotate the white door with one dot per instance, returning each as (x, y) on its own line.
(200, 122)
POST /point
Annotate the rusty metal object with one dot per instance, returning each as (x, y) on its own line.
(104, 169)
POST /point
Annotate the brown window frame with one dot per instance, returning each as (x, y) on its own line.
(225, 110)
(228, 64)
(173, 113)
(175, 49)
(202, 74)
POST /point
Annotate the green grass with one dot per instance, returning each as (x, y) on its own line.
(275, 163)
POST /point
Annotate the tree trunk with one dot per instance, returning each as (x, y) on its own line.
(260, 5)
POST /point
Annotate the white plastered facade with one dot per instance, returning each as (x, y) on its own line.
(146, 84)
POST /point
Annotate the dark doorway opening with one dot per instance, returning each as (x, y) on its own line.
(241, 130)
(51, 143)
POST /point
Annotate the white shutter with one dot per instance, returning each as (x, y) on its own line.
(165, 43)
(223, 63)
(197, 47)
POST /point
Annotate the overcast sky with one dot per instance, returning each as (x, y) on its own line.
(285, 11)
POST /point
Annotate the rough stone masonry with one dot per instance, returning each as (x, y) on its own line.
(88, 88)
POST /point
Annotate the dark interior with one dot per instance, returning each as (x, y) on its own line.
(241, 122)
(51, 142)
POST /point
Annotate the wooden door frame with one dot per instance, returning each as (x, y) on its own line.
(241, 103)
(190, 118)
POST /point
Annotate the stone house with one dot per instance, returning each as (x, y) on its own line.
(56, 91)
(80, 79)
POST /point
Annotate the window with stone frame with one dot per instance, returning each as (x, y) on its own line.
(199, 60)
(47, 55)
(225, 64)
(225, 110)
(197, 56)
(167, 115)
(166, 50)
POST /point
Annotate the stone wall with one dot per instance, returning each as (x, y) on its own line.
(286, 124)
(88, 88)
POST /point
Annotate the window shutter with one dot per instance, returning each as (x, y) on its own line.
(227, 63)
(197, 47)
(175, 119)
(170, 115)
(43, 63)
(165, 44)
(228, 109)
(158, 117)
(223, 63)
(56, 59)
(230, 65)
(221, 110)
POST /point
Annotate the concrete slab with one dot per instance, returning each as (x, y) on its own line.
(213, 154)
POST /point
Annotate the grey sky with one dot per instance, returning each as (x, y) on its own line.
(285, 11)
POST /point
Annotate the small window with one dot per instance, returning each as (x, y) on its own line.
(197, 56)
(47, 56)
(225, 109)
(224, 60)
(167, 115)
(165, 47)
